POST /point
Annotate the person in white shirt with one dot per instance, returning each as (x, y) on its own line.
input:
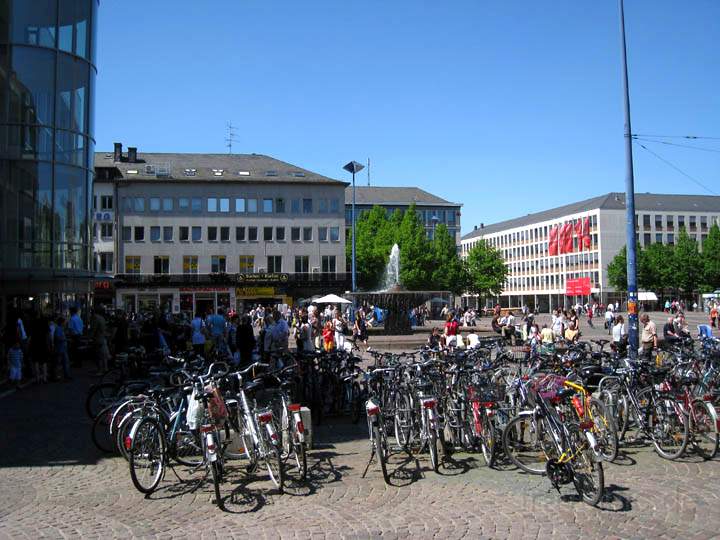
(473, 340)
(619, 334)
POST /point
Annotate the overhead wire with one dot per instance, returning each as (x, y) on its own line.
(675, 136)
(638, 138)
(678, 169)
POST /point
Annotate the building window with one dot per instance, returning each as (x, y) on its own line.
(274, 264)
(646, 221)
(252, 206)
(139, 234)
(127, 204)
(197, 234)
(127, 234)
(106, 202)
(279, 234)
(646, 239)
(132, 264)
(212, 204)
(322, 234)
(139, 204)
(252, 234)
(184, 234)
(670, 222)
(334, 234)
(280, 206)
(212, 234)
(328, 264)
(196, 203)
(217, 264)
(154, 234)
(154, 204)
(267, 206)
(183, 204)
(161, 265)
(239, 234)
(190, 264)
(167, 234)
(658, 222)
(681, 222)
(224, 234)
(247, 264)
(106, 261)
(658, 238)
(670, 239)
(703, 222)
(307, 206)
(240, 206)
(302, 264)
(295, 234)
(451, 217)
(106, 230)
(224, 205)
(693, 223)
(323, 206)
(307, 234)
(334, 206)
(295, 206)
(267, 234)
(168, 204)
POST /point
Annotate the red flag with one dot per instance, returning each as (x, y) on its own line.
(579, 234)
(567, 238)
(562, 233)
(586, 232)
(553, 243)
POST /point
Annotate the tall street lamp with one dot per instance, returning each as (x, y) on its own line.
(353, 167)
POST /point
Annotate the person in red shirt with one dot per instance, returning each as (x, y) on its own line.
(451, 330)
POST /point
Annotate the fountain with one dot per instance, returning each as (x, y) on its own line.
(392, 298)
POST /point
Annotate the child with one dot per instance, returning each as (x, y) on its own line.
(328, 336)
(15, 361)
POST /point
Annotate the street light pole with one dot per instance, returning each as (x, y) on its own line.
(629, 201)
(353, 167)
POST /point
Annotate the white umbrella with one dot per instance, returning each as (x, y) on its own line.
(331, 299)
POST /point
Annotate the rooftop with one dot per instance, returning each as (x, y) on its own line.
(396, 196)
(644, 202)
(250, 168)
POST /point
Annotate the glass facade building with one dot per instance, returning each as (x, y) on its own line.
(47, 88)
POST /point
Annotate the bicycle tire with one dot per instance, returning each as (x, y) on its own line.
(100, 432)
(433, 448)
(704, 429)
(658, 417)
(274, 465)
(148, 442)
(301, 460)
(216, 472)
(530, 456)
(187, 448)
(587, 470)
(604, 430)
(488, 440)
(380, 452)
(99, 397)
(356, 403)
(402, 420)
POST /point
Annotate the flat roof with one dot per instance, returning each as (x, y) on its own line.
(394, 195)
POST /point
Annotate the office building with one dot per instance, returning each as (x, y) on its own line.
(537, 277)
(432, 209)
(47, 91)
(191, 232)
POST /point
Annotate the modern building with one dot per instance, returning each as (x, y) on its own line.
(541, 280)
(47, 91)
(197, 231)
(432, 209)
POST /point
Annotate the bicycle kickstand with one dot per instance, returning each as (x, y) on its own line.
(367, 467)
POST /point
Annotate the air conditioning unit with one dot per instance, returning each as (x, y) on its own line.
(316, 270)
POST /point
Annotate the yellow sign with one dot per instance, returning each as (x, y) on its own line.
(254, 292)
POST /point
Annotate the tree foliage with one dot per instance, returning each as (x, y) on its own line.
(617, 270)
(486, 270)
(711, 260)
(449, 272)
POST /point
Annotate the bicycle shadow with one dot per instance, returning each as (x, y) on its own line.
(624, 459)
(611, 501)
(454, 466)
(406, 472)
(321, 473)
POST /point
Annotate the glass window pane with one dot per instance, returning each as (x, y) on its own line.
(154, 234)
(267, 206)
(167, 205)
(196, 204)
(32, 22)
(183, 203)
(72, 92)
(212, 205)
(71, 206)
(196, 234)
(252, 205)
(139, 204)
(224, 205)
(154, 204)
(240, 205)
(32, 82)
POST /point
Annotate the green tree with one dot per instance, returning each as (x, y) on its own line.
(449, 271)
(686, 265)
(486, 270)
(710, 258)
(654, 271)
(617, 270)
(375, 237)
(416, 257)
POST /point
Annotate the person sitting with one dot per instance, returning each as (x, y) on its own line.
(435, 339)
(495, 323)
(548, 336)
(508, 327)
(572, 334)
(670, 335)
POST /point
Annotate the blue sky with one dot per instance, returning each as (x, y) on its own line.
(506, 106)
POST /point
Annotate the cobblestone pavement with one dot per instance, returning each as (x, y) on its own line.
(53, 483)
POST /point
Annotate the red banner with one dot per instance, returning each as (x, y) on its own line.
(566, 238)
(578, 233)
(586, 233)
(553, 245)
(577, 287)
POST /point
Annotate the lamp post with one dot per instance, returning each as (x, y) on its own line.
(353, 167)
(629, 201)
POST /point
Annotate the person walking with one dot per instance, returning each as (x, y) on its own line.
(217, 326)
(15, 363)
(713, 316)
(98, 334)
(39, 344)
(75, 332)
(197, 327)
(648, 339)
(245, 341)
(60, 347)
(339, 327)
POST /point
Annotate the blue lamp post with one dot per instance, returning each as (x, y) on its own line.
(353, 167)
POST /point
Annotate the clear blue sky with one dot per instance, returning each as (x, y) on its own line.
(506, 106)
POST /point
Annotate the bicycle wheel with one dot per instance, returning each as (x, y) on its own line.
(588, 474)
(99, 397)
(704, 429)
(274, 464)
(147, 455)
(101, 430)
(355, 403)
(669, 429)
(604, 430)
(301, 459)
(487, 439)
(403, 420)
(216, 470)
(187, 448)
(527, 444)
(381, 451)
(434, 453)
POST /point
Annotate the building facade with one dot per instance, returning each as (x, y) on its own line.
(47, 89)
(432, 209)
(538, 279)
(199, 231)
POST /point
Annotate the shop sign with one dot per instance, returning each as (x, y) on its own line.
(254, 292)
(264, 277)
(103, 216)
(102, 284)
(577, 287)
(204, 289)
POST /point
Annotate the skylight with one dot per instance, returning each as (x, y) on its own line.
(132, 171)
(243, 173)
(190, 172)
(271, 173)
(218, 172)
(299, 174)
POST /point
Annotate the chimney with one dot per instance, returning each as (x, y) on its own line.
(475, 229)
(482, 225)
(117, 154)
(132, 154)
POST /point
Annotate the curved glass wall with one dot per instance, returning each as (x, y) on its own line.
(47, 82)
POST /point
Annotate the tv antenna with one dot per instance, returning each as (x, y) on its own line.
(231, 137)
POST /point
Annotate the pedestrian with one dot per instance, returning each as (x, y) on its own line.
(328, 335)
(15, 363)
(434, 340)
(339, 326)
(197, 326)
(360, 328)
(590, 316)
(39, 346)
(232, 339)
(648, 339)
(619, 335)
(60, 347)
(98, 334)
(245, 341)
(713, 316)
(120, 340)
(217, 327)
(451, 330)
(75, 332)
(572, 334)
(609, 320)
